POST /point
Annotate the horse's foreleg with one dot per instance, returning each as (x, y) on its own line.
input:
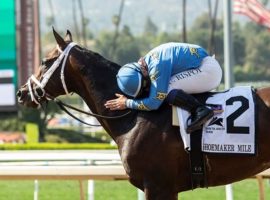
(153, 194)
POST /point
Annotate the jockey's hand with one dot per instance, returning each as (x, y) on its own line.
(117, 104)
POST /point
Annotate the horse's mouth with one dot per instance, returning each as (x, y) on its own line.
(28, 103)
(25, 99)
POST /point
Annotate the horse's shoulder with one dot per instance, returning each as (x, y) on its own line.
(162, 113)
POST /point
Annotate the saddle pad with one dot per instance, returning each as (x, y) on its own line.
(230, 131)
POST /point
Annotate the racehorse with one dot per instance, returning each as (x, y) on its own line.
(151, 149)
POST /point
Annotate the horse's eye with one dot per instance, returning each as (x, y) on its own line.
(40, 92)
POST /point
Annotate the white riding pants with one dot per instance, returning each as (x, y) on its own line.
(203, 79)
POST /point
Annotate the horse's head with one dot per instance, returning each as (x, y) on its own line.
(51, 79)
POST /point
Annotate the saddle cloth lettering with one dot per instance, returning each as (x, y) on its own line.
(232, 129)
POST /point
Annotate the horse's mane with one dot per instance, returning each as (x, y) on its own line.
(97, 59)
(99, 70)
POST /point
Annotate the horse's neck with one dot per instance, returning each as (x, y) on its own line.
(99, 86)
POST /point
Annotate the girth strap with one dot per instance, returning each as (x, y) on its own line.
(197, 162)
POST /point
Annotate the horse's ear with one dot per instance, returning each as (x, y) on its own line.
(60, 41)
(68, 36)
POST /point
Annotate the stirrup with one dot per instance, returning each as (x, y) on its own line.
(198, 126)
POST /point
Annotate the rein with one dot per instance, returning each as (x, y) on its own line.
(63, 106)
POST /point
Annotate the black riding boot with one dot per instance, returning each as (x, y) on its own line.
(199, 112)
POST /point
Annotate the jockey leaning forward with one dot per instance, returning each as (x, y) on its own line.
(172, 71)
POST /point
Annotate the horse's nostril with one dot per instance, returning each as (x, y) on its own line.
(19, 93)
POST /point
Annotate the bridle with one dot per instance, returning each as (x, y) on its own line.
(39, 92)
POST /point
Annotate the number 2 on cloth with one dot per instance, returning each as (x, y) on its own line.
(231, 128)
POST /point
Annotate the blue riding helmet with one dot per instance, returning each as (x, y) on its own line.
(129, 79)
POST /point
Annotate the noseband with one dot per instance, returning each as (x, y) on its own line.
(37, 94)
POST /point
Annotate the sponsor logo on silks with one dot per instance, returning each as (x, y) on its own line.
(154, 76)
(194, 51)
(141, 106)
(161, 96)
(154, 55)
(216, 121)
(188, 73)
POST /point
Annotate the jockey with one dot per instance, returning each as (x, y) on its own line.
(172, 71)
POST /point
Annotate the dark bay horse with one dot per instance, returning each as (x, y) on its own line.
(151, 149)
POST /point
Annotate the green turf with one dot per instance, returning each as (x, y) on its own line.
(118, 190)
(243, 190)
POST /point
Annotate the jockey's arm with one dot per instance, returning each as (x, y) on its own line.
(160, 76)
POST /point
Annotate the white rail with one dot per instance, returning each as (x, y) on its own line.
(62, 172)
(70, 155)
(62, 165)
(75, 165)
